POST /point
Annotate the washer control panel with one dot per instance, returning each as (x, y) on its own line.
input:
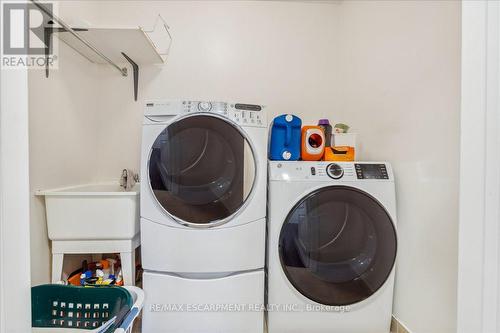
(243, 114)
(204, 106)
(371, 171)
(330, 171)
(334, 171)
(248, 114)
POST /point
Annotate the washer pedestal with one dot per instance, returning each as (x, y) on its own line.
(227, 304)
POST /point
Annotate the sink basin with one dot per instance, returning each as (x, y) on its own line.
(92, 212)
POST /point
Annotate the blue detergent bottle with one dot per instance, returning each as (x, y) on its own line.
(285, 138)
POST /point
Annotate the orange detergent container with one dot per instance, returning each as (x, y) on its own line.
(339, 153)
(313, 143)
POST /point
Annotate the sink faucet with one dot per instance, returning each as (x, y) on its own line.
(128, 179)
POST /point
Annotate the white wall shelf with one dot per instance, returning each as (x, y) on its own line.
(122, 45)
(134, 42)
(115, 46)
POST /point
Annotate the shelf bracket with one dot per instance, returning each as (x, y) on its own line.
(48, 40)
(135, 69)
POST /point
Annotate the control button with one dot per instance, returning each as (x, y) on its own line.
(286, 155)
(334, 171)
(204, 106)
(313, 171)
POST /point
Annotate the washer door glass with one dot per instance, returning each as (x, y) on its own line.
(201, 169)
(338, 246)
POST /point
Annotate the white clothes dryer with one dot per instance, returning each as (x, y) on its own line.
(332, 247)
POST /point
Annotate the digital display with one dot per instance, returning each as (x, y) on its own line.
(371, 171)
(249, 107)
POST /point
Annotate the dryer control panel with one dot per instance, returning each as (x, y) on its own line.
(243, 114)
(330, 171)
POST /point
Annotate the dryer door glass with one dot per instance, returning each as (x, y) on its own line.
(338, 246)
(201, 169)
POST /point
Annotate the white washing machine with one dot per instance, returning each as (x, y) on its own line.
(203, 216)
(332, 247)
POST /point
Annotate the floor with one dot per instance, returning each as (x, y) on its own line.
(137, 325)
(397, 327)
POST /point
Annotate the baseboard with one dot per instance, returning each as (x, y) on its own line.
(398, 327)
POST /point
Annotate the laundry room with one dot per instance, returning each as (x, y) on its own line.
(156, 160)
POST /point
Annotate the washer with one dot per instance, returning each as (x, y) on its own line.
(203, 215)
(332, 247)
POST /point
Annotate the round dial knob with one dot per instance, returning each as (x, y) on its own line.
(335, 171)
(204, 106)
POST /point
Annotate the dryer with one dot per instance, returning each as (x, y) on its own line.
(332, 247)
(203, 215)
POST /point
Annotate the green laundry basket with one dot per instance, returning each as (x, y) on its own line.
(72, 307)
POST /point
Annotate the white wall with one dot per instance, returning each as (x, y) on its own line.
(63, 127)
(15, 298)
(280, 54)
(400, 88)
(479, 241)
(389, 69)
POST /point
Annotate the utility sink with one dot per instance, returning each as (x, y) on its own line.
(92, 212)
